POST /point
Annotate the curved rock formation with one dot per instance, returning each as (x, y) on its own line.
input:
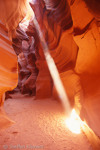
(24, 73)
(82, 84)
(43, 81)
(94, 8)
(59, 10)
(62, 47)
(71, 29)
(12, 12)
(18, 36)
(24, 48)
(87, 37)
(8, 72)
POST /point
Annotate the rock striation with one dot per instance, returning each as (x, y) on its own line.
(71, 29)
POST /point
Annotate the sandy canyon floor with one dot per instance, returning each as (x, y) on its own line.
(40, 124)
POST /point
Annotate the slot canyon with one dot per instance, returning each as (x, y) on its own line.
(49, 74)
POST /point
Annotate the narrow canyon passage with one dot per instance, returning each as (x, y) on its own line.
(39, 123)
(49, 70)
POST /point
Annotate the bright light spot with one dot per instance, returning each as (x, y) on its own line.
(73, 123)
(30, 14)
(30, 0)
(24, 24)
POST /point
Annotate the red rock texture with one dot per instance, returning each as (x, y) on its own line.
(8, 72)
(43, 81)
(94, 8)
(28, 72)
(72, 32)
(9, 76)
(19, 36)
(12, 12)
(61, 44)
(24, 73)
